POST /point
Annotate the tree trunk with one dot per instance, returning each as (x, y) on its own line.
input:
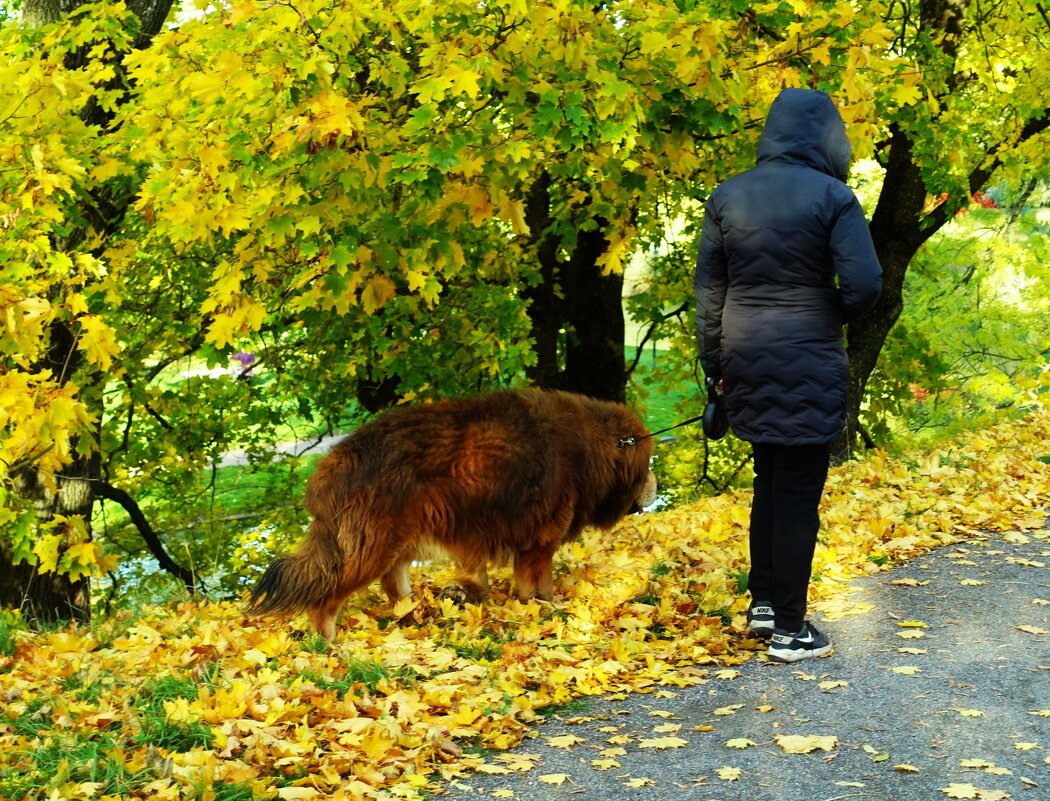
(46, 597)
(594, 357)
(50, 597)
(576, 311)
(899, 227)
(898, 230)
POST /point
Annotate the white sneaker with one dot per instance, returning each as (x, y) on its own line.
(806, 643)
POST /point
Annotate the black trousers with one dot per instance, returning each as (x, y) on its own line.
(789, 480)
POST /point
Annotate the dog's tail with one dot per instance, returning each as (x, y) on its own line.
(300, 581)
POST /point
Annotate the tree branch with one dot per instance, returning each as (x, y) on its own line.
(110, 493)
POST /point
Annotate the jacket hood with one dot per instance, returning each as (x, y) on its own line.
(804, 127)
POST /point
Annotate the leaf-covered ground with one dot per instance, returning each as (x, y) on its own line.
(197, 701)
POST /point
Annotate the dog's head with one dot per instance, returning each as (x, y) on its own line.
(648, 494)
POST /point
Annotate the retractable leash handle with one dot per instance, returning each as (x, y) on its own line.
(716, 421)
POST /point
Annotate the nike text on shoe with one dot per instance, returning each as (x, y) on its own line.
(807, 643)
(760, 619)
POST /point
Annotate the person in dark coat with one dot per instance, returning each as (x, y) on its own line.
(786, 259)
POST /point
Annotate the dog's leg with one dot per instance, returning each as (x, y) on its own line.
(395, 582)
(532, 573)
(474, 579)
(323, 617)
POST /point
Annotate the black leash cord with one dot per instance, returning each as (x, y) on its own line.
(623, 443)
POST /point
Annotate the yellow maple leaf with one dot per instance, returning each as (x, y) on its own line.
(502, 793)
(740, 742)
(564, 741)
(957, 790)
(604, 764)
(640, 781)
(660, 713)
(667, 728)
(1033, 629)
(662, 743)
(554, 778)
(98, 341)
(805, 744)
(377, 291)
(46, 550)
(907, 670)
(728, 774)
(728, 710)
(905, 768)
(971, 713)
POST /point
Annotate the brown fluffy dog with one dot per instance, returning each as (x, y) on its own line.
(505, 475)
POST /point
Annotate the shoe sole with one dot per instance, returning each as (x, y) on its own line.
(798, 654)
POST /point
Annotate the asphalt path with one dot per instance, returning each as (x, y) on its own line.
(939, 687)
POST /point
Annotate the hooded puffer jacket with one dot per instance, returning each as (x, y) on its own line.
(786, 258)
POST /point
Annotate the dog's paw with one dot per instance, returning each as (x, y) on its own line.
(453, 592)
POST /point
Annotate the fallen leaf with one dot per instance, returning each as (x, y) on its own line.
(502, 793)
(604, 764)
(972, 583)
(960, 791)
(971, 713)
(907, 670)
(640, 782)
(805, 744)
(740, 742)
(1033, 630)
(667, 728)
(728, 774)
(905, 768)
(663, 743)
(564, 741)
(1026, 746)
(728, 710)
(727, 674)
(554, 778)
(832, 685)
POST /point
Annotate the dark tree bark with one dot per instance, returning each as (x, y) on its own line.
(48, 597)
(575, 309)
(899, 226)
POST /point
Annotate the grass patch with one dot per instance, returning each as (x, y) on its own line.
(156, 729)
(66, 760)
(577, 706)
(361, 673)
